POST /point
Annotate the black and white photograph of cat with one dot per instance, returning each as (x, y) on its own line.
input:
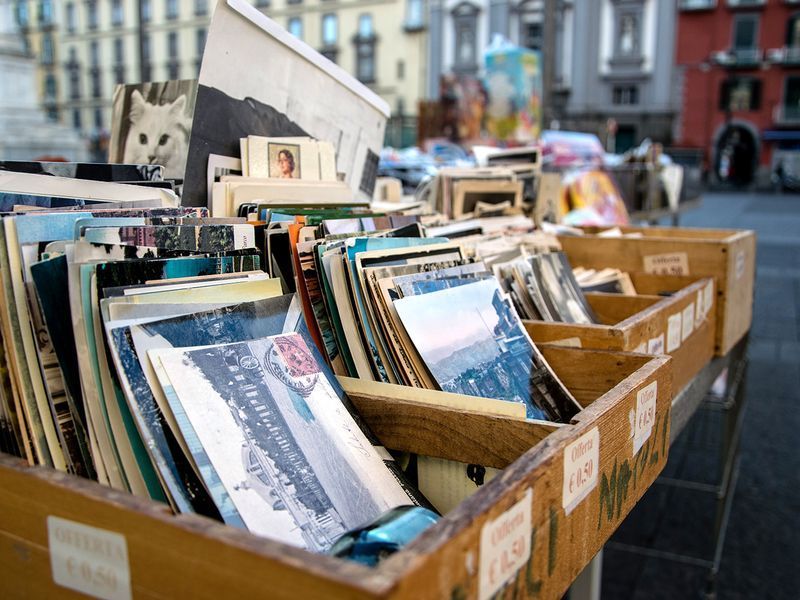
(152, 122)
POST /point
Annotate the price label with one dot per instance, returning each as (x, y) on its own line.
(89, 560)
(674, 332)
(505, 546)
(688, 322)
(645, 415)
(573, 342)
(699, 306)
(581, 465)
(656, 345)
(739, 264)
(641, 348)
(708, 297)
(673, 263)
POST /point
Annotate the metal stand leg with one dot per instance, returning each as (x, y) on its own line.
(730, 407)
(587, 585)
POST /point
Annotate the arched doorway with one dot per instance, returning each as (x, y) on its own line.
(736, 155)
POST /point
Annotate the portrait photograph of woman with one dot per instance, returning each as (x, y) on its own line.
(284, 161)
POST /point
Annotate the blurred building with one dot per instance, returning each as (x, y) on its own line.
(611, 60)
(381, 42)
(621, 62)
(29, 130)
(738, 68)
(86, 47)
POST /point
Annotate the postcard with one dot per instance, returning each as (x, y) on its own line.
(72, 191)
(474, 344)
(219, 166)
(138, 474)
(294, 463)
(205, 238)
(354, 247)
(51, 284)
(562, 290)
(270, 316)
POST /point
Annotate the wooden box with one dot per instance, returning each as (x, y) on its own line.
(517, 519)
(727, 255)
(681, 325)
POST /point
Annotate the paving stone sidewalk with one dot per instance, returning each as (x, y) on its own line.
(761, 556)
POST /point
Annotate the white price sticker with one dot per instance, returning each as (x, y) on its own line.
(708, 297)
(581, 464)
(688, 322)
(641, 348)
(656, 345)
(645, 415)
(89, 560)
(573, 342)
(739, 264)
(505, 546)
(674, 332)
(698, 308)
(673, 263)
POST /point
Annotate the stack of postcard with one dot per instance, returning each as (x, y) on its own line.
(459, 192)
(609, 280)
(392, 306)
(543, 287)
(147, 349)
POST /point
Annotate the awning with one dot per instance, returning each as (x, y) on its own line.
(781, 135)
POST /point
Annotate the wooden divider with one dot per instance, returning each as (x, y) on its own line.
(642, 323)
(726, 255)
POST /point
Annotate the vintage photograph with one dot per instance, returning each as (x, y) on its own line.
(151, 124)
(474, 197)
(290, 456)
(284, 160)
(570, 305)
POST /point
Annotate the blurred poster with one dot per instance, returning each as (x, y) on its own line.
(592, 198)
(514, 88)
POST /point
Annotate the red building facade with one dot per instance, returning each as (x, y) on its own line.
(738, 66)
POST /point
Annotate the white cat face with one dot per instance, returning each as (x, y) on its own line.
(158, 134)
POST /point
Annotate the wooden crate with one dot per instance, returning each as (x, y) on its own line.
(642, 323)
(727, 255)
(194, 557)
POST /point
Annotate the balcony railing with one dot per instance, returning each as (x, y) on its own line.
(788, 55)
(697, 4)
(787, 114)
(743, 58)
(791, 55)
(746, 56)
